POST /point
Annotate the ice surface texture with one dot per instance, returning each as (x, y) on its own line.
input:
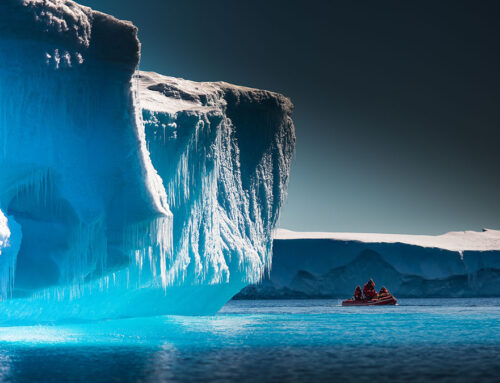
(330, 265)
(91, 224)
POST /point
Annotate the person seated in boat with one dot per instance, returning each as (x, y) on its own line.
(383, 292)
(369, 290)
(358, 294)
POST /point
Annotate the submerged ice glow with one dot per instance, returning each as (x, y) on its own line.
(297, 341)
(104, 215)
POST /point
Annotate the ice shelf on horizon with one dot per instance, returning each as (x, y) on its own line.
(330, 265)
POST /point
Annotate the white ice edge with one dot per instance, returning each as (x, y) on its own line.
(486, 240)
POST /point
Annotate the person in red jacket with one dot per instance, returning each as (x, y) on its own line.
(358, 294)
(383, 292)
(369, 290)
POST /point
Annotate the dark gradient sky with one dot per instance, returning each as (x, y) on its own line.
(397, 104)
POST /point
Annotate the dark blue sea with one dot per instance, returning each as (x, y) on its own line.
(427, 340)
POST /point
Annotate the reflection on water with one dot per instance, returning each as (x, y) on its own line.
(271, 341)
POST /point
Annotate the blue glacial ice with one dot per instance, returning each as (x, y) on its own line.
(126, 193)
(329, 265)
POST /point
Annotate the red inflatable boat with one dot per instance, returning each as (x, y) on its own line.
(387, 300)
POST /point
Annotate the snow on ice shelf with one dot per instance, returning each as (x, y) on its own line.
(453, 241)
(123, 193)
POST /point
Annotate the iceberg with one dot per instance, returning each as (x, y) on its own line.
(126, 193)
(331, 265)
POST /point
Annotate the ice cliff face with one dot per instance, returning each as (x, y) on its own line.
(223, 153)
(330, 265)
(92, 223)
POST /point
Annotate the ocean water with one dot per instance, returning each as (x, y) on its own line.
(455, 340)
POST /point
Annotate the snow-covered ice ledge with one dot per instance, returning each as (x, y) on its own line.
(453, 241)
(123, 194)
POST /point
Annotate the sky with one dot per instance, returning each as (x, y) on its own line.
(397, 104)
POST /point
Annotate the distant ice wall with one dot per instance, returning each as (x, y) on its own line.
(330, 265)
(86, 230)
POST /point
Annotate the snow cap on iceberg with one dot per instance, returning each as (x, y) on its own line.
(75, 32)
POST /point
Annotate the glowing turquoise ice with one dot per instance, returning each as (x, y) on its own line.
(102, 216)
(268, 341)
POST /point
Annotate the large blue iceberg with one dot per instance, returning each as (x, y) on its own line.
(126, 193)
